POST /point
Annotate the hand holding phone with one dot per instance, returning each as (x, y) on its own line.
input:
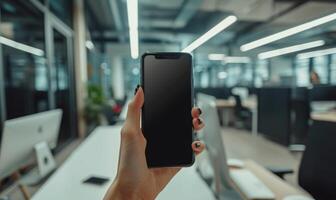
(133, 171)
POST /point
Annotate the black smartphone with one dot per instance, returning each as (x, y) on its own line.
(167, 82)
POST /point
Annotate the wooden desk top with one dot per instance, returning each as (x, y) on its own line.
(279, 187)
(325, 116)
(224, 103)
(250, 103)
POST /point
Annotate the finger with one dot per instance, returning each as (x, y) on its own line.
(196, 112)
(198, 147)
(198, 124)
(134, 108)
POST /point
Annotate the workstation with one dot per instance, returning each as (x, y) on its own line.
(263, 76)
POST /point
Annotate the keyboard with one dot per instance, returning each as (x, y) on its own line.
(250, 185)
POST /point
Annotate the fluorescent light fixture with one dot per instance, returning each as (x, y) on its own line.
(132, 14)
(222, 75)
(236, 59)
(291, 49)
(288, 32)
(229, 59)
(89, 44)
(20, 46)
(318, 53)
(211, 33)
(216, 56)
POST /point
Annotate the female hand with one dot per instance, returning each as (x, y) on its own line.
(134, 179)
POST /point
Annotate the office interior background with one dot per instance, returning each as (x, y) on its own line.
(272, 70)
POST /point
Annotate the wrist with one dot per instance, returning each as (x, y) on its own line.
(120, 191)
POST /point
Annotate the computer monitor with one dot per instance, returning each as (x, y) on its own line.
(211, 134)
(20, 135)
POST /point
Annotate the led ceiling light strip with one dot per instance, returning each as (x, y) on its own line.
(288, 32)
(20, 46)
(290, 49)
(211, 33)
(132, 14)
(236, 59)
(216, 56)
(229, 59)
(318, 53)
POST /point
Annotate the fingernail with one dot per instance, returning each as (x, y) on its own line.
(199, 121)
(136, 89)
(199, 111)
(198, 145)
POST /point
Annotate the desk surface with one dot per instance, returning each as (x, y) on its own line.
(280, 188)
(324, 116)
(250, 103)
(98, 155)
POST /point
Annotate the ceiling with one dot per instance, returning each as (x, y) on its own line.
(181, 21)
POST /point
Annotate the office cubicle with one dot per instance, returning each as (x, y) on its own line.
(274, 114)
(300, 114)
(284, 113)
(322, 93)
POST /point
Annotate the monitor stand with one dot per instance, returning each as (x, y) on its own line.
(45, 165)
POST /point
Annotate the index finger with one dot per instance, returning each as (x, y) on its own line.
(134, 108)
(196, 112)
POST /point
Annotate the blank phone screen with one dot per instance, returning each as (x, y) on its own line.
(166, 115)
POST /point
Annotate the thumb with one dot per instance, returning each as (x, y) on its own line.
(134, 109)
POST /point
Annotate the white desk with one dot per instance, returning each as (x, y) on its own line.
(98, 155)
(329, 116)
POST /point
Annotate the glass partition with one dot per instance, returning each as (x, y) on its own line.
(63, 85)
(63, 9)
(23, 56)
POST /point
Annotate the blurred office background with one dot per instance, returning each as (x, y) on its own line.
(75, 55)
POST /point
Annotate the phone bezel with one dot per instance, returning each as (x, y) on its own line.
(142, 83)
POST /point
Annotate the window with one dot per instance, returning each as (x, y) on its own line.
(234, 73)
(63, 86)
(333, 70)
(320, 65)
(247, 74)
(302, 72)
(261, 72)
(204, 80)
(27, 77)
(131, 74)
(25, 70)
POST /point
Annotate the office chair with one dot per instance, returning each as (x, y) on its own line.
(242, 114)
(317, 171)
